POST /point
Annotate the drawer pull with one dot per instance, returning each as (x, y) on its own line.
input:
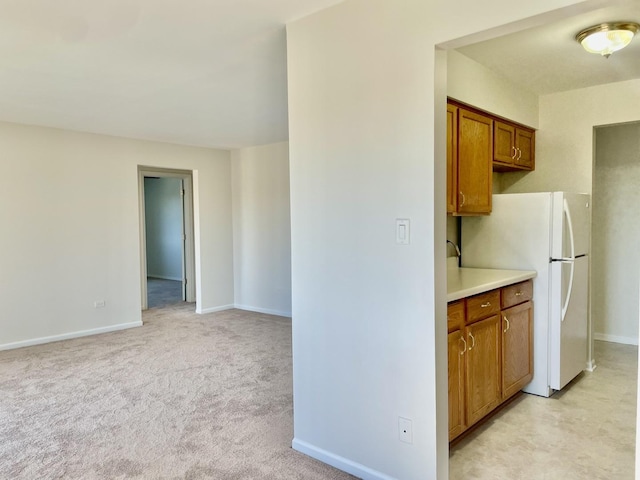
(508, 326)
(465, 345)
(486, 304)
(519, 294)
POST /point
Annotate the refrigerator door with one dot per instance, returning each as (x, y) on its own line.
(517, 234)
(571, 225)
(568, 321)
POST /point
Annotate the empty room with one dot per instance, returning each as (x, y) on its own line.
(224, 238)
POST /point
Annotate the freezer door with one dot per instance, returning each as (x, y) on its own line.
(517, 234)
(571, 225)
(568, 321)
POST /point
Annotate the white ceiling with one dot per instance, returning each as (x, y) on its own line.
(197, 72)
(547, 58)
(213, 72)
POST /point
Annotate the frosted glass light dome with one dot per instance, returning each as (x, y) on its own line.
(607, 38)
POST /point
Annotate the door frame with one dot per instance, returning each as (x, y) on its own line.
(189, 272)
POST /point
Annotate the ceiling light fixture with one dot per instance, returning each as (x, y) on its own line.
(607, 38)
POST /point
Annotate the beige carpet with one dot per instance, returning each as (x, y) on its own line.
(185, 396)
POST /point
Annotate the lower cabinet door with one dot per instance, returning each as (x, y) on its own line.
(457, 352)
(517, 348)
(483, 386)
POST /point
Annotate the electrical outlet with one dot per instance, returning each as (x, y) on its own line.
(99, 304)
(405, 431)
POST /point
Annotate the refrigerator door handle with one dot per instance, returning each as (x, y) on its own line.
(569, 290)
(567, 214)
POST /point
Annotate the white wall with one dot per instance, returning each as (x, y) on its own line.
(476, 85)
(163, 227)
(616, 229)
(69, 211)
(363, 125)
(564, 143)
(262, 228)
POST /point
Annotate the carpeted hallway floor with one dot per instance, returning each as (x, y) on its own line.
(162, 293)
(185, 396)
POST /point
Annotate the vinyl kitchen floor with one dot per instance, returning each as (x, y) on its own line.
(586, 431)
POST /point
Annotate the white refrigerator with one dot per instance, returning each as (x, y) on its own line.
(548, 232)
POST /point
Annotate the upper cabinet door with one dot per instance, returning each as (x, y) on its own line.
(452, 158)
(525, 145)
(504, 141)
(475, 159)
(513, 147)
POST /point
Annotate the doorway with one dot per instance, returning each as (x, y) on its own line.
(167, 260)
(616, 228)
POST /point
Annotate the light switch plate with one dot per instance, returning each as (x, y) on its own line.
(403, 231)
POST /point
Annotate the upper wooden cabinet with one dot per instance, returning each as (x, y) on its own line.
(478, 144)
(452, 158)
(469, 161)
(513, 147)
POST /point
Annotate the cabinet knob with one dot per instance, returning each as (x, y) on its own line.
(519, 294)
(464, 199)
(486, 304)
(508, 325)
(473, 341)
(515, 152)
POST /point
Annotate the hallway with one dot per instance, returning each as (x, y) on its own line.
(161, 293)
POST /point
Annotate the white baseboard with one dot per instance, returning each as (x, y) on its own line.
(202, 311)
(263, 310)
(68, 336)
(243, 307)
(341, 463)
(164, 277)
(605, 337)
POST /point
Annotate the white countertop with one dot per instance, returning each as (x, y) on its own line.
(465, 282)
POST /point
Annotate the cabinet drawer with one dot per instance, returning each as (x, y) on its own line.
(483, 306)
(517, 293)
(455, 315)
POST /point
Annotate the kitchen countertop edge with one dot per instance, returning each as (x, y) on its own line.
(466, 282)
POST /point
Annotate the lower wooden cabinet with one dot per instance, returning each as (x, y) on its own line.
(457, 350)
(517, 352)
(490, 354)
(483, 368)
